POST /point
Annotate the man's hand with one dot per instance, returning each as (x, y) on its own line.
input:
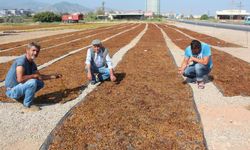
(191, 60)
(112, 78)
(89, 76)
(47, 77)
(181, 70)
(55, 76)
(37, 76)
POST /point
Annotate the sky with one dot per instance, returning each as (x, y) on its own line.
(194, 7)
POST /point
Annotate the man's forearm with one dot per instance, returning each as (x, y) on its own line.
(88, 68)
(111, 72)
(203, 61)
(183, 64)
(51, 76)
(25, 78)
(48, 77)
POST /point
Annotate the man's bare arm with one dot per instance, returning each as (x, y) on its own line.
(21, 78)
(184, 64)
(112, 76)
(48, 77)
(203, 60)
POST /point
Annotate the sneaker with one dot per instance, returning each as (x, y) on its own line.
(201, 85)
(92, 82)
(206, 78)
(97, 77)
(191, 80)
(32, 108)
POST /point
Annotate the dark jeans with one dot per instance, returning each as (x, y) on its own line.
(197, 71)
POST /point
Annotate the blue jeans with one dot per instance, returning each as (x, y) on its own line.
(197, 71)
(104, 73)
(27, 89)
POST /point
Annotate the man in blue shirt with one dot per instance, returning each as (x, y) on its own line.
(24, 80)
(98, 63)
(197, 62)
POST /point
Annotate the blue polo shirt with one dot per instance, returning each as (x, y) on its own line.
(205, 52)
(29, 68)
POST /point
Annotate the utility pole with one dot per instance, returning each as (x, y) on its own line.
(103, 6)
(240, 6)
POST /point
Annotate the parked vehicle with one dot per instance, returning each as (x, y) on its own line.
(247, 20)
(74, 18)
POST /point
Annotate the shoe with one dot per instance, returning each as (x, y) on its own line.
(97, 77)
(92, 82)
(191, 80)
(201, 85)
(32, 108)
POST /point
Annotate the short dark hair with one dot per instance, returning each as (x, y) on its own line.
(36, 45)
(195, 44)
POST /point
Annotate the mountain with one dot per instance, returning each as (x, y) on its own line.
(66, 7)
(22, 4)
(61, 7)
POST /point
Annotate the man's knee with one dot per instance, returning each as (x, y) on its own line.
(199, 66)
(107, 71)
(201, 70)
(40, 84)
(186, 72)
(31, 83)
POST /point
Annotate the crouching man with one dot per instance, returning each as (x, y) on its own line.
(197, 62)
(24, 80)
(98, 63)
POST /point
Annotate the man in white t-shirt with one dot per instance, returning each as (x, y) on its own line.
(99, 66)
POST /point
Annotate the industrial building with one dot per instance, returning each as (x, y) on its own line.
(153, 6)
(232, 14)
(130, 15)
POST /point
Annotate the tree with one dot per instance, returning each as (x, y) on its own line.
(46, 17)
(204, 17)
(91, 16)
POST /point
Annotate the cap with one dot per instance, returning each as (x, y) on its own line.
(96, 42)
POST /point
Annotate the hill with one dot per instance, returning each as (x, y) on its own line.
(66, 7)
(61, 7)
